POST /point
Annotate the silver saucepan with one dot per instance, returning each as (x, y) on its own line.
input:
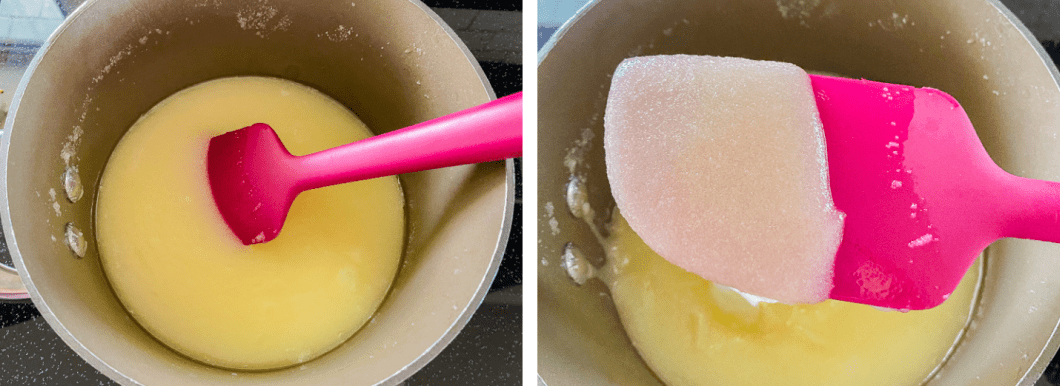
(975, 50)
(393, 62)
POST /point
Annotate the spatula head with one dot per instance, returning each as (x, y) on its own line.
(907, 168)
(249, 173)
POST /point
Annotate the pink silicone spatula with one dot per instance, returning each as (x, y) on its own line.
(921, 195)
(254, 179)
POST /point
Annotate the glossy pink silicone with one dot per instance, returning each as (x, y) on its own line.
(921, 195)
(254, 179)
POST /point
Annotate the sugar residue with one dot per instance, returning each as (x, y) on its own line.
(283, 24)
(147, 37)
(261, 18)
(55, 203)
(981, 39)
(256, 17)
(69, 151)
(550, 212)
(114, 60)
(893, 23)
(125, 52)
(576, 154)
(205, 3)
(414, 49)
(801, 10)
(339, 34)
(674, 29)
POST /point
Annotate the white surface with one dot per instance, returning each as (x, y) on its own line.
(553, 13)
(28, 21)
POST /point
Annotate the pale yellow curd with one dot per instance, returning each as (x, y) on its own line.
(692, 332)
(183, 275)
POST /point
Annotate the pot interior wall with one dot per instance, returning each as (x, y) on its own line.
(113, 61)
(971, 49)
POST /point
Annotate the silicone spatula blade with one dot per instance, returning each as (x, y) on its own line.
(922, 197)
(254, 179)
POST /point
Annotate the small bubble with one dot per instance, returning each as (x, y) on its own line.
(76, 240)
(72, 184)
(922, 240)
(578, 267)
(578, 199)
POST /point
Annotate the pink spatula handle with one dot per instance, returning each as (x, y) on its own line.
(484, 133)
(1027, 208)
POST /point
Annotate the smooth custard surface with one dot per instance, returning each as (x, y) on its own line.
(692, 332)
(185, 277)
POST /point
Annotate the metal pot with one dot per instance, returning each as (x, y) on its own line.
(975, 50)
(394, 63)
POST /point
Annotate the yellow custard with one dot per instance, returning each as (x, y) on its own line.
(692, 332)
(183, 275)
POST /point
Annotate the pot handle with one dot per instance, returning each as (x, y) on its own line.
(11, 286)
